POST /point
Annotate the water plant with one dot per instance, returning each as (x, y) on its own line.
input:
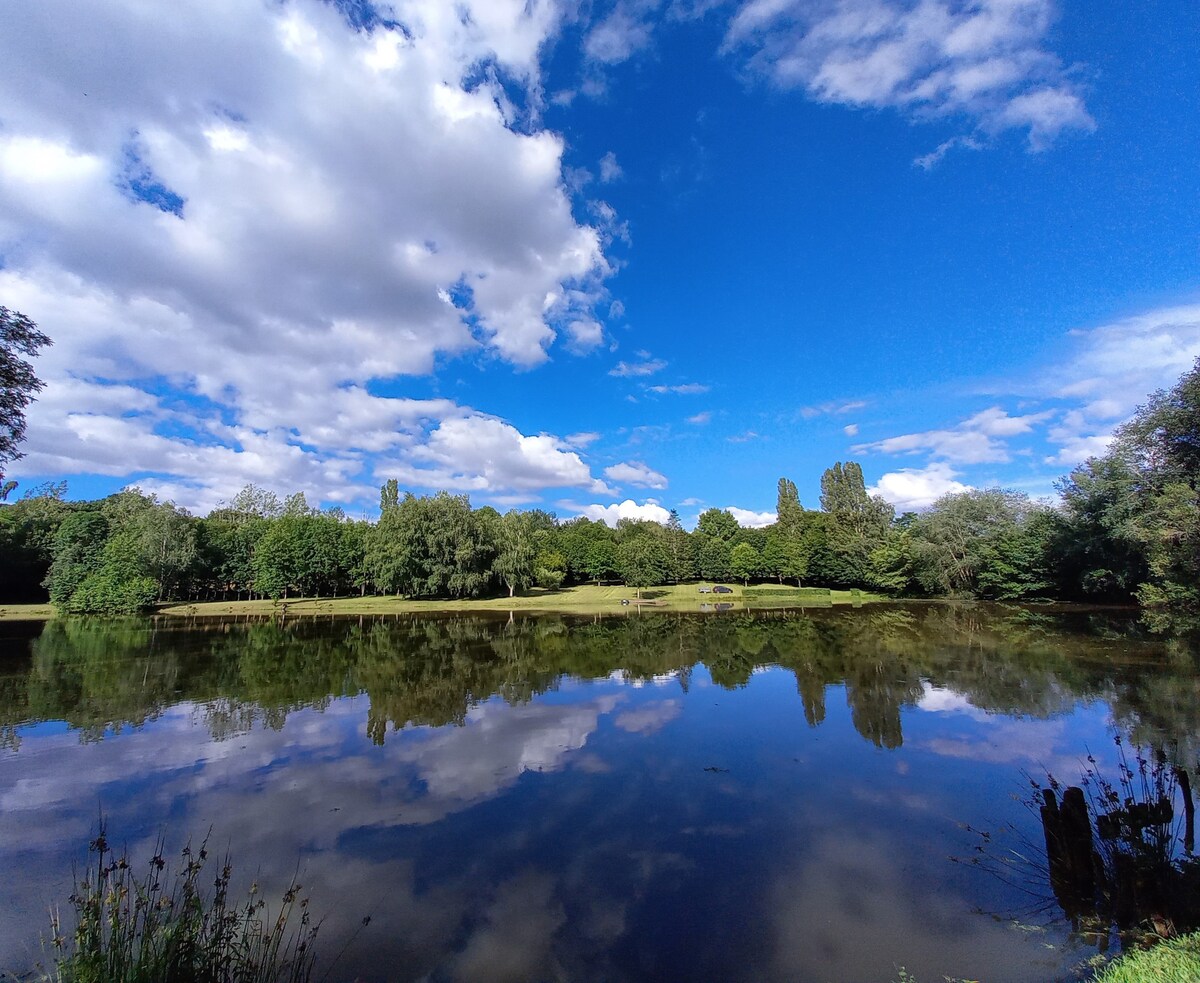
(1117, 853)
(166, 926)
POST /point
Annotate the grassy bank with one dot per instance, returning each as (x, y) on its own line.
(1176, 961)
(584, 599)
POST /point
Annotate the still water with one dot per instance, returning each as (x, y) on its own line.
(733, 796)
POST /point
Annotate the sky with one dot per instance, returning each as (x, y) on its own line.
(606, 258)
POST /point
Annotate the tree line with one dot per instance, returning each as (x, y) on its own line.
(1127, 527)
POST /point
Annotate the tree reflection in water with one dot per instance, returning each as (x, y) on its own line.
(102, 676)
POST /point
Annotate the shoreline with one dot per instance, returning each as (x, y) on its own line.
(581, 599)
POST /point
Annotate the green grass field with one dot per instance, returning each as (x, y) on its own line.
(584, 599)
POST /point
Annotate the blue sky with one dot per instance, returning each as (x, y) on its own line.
(603, 258)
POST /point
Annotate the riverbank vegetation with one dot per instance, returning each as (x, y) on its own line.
(1127, 528)
(149, 922)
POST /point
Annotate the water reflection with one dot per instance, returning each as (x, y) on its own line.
(652, 796)
(101, 678)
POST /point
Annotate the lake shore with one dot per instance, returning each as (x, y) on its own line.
(585, 598)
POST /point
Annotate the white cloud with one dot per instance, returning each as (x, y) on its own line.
(850, 430)
(686, 389)
(749, 518)
(918, 488)
(636, 473)
(618, 37)
(628, 509)
(700, 419)
(338, 207)
(1166, 340)
(481, 453)
(977, 440)
(985, 61)
(610, 170)
(743, 438)
(646, 367)
(582, 440)
(832, 407)
(1114, 369)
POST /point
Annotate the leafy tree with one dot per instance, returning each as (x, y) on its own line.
(958, 538)
(681, 561)
(1161, 446)
(516, 552)
(600, 561)
(717, 524)
(1099, 552)
(858, 524)
(787, 507)
(18, 383)
(712, 557)
(255, 502)
(164, 534)
(27, 529)
(642, 562)
(119, 585)
(78, 545)
(549, 569)
(744, 562)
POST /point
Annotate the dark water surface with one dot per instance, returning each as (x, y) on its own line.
(734, 796)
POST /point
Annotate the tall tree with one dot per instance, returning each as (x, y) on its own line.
(858, 524)
(787, 506)
(18, 384)
(516, 550)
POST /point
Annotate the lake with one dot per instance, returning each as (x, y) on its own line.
(734, 795)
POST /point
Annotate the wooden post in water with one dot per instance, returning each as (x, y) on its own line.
(1189, 810)
(1068, 833)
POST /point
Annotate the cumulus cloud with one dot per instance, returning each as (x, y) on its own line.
(628, 509)
(749, 518)
(917, 488)
(482, 453)
(977, 440)
(986, 62)
(255, 211)
(636, 473)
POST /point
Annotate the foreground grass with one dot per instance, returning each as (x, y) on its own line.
(584, 599)
(1176, 961)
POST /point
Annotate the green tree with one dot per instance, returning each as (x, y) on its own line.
(642, 562)
(717, 524)
(600, 561)
(78, 546)
(681, 561)
(858, 524)
(788, 509)
(745, 562)
(18, 384)
(516, 552)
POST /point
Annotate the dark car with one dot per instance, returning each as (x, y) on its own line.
(722, 589)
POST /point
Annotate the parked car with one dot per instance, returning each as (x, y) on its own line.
(705, 590)
(722, 589)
